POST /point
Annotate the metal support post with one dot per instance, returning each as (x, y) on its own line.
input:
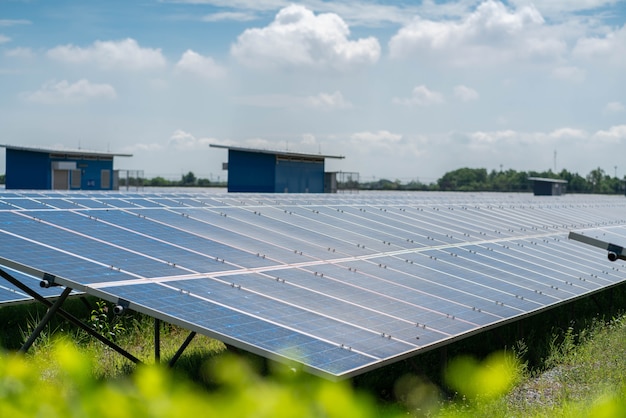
(71, 318)
(44, 321)
(157, 340)
(182, 348)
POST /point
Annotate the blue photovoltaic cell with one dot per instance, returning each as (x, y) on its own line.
(10, 294)
(340, 283)
(230, 325)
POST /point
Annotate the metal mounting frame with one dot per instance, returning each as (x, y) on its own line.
(56, 308)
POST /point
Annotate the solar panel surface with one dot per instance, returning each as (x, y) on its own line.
(12, 295)
(341, 283)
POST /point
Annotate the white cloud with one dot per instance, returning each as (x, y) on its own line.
(299, 38)
(610, 48)
(465, 94)
(321, 101)
(614, 107)
(182, 140)
(14, 22)
(372, 138)
(559, 7)
(328, 101)
(421, 96)
(490, 138)
(573, 74)
(380, 150)
(568, 133)
(199, 65)
(20, 53)
(64, 92)
(614, 135)
(124, 54)
(229, 16)
(513, 138)
(492, 33)
(4, 39)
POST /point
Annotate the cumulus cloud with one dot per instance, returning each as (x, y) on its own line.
(321, 101)
(614, 135)
(199, 65)
(65, 92)
(329, 101)
(465, 94)
(124, 54)
(229, 16)
(299, 38)
(516, 138)
(558, 7)
(568, 133)
(490, 138)
(20, 53)
(421, 96)
(491, 33)
(182, 140)
(614, 107)
(610, 48)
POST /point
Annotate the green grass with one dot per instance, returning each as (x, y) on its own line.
(582, 373)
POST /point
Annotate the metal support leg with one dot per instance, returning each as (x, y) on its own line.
(181, 349)
(71, 318)
(157, 340)
(44, 321)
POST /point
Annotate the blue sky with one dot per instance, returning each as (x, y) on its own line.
(403, 89)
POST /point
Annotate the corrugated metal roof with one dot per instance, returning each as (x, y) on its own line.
(65, 151)
(275, 152)
(547, 180)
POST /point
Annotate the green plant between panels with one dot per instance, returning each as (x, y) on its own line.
(103, 321)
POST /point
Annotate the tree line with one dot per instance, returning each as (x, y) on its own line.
(480, 180)
(186, 180)
(462, 179)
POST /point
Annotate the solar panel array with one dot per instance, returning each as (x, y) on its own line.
(341, 283)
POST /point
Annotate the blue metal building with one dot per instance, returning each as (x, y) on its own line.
(265, 171)
(59, 169)
(548, 187)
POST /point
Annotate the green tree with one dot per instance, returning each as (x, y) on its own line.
(188, 179)
(594, 178)
(464, 179)
(159, 182)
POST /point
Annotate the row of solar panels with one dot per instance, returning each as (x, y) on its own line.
(340, 283)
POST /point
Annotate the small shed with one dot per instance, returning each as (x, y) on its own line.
(548, 187)
(266, 171)
(60, 169)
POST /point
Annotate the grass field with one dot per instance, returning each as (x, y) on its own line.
(583, 373)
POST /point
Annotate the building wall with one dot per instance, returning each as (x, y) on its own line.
(91, 173)
(27, 170)
(546, 188)
(34, 170)
(266, 173)
(251, 172)
(299, 177)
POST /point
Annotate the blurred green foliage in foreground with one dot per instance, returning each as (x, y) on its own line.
(66, 388)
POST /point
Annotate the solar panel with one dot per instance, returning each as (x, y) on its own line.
(12, 295)
(341, 283)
